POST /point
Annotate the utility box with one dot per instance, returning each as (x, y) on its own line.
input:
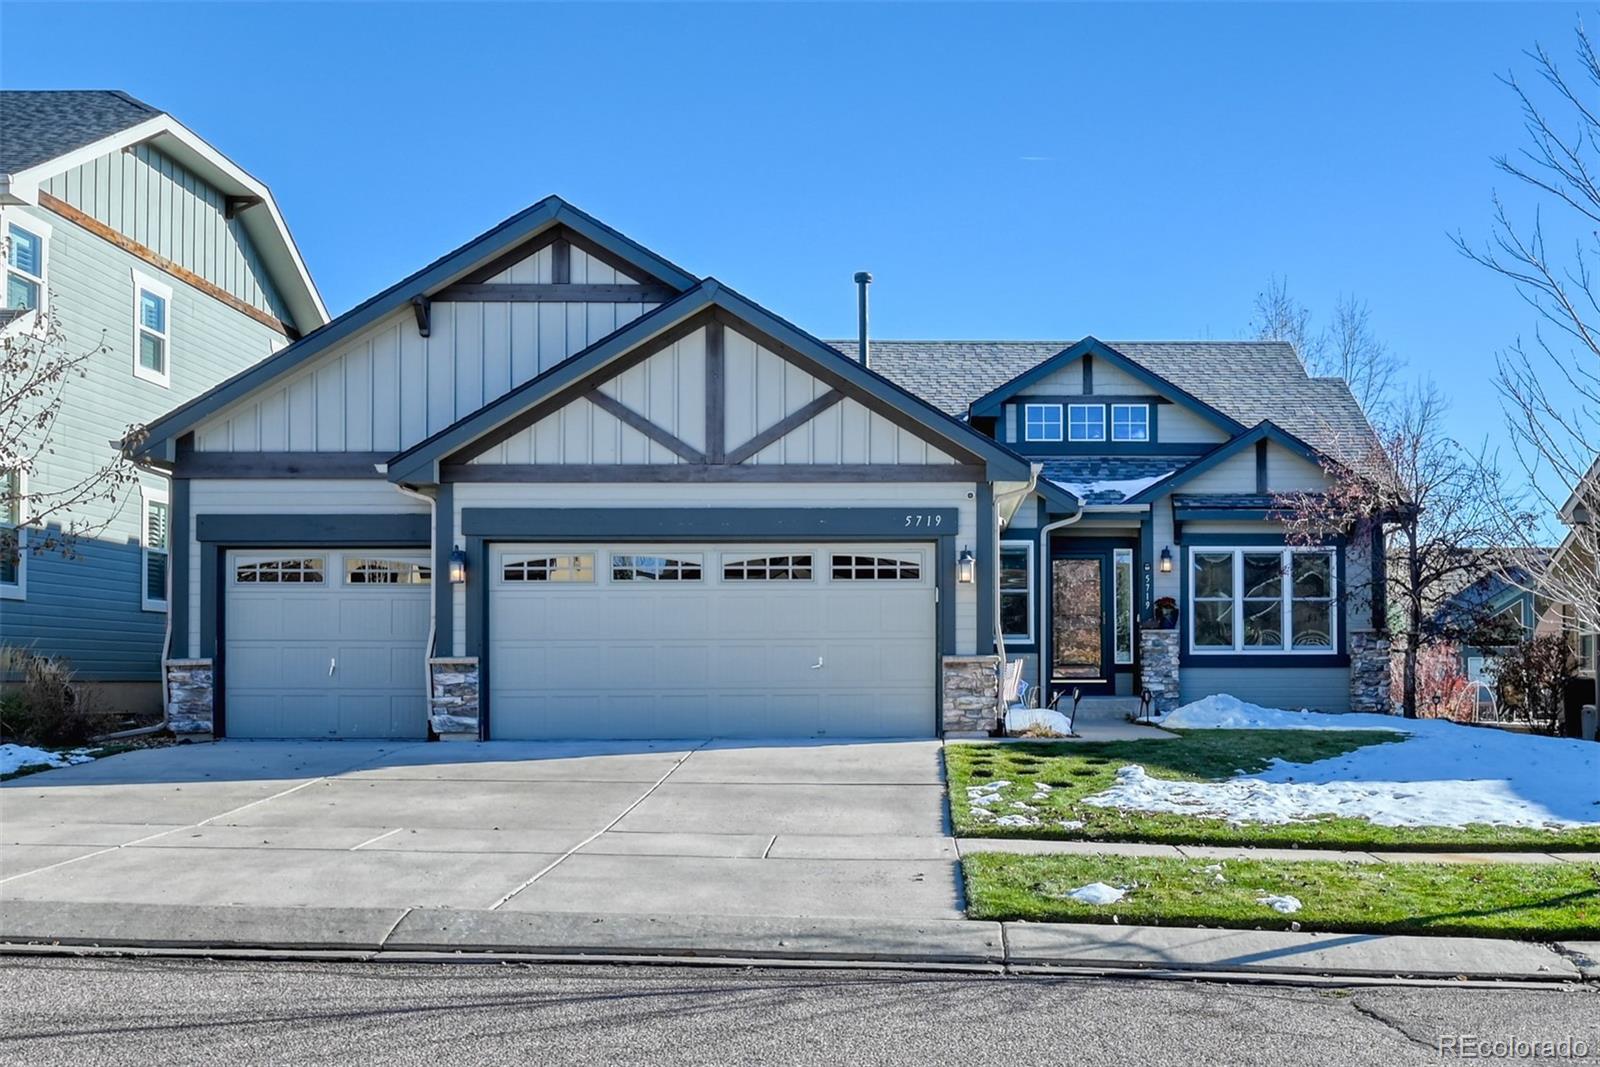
(1589, 723)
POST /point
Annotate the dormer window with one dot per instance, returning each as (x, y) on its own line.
(1130, 422)
(1086, 422)
(1041, 422)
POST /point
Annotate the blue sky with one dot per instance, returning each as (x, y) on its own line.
(1005, 171)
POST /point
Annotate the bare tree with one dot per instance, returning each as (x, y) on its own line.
(1550, 385)
(1347, 348)
(1435, 501)
(36, 367)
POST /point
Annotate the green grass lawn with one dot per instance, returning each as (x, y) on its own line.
(1521, 900)
(98, 752)
(1074, 771)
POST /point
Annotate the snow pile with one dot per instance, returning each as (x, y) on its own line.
(1284, 905)
(15, 757)
(1097, 893)
(1125, 487)
(1440, 774)
(1020, 719)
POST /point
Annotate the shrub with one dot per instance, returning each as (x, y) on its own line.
(1531, 679)
(45, 708)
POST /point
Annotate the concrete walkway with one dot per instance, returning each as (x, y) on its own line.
(967, 845)
(422, 933)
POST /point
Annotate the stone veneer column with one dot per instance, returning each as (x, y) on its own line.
(453, 695)
(971, 693)
(190, 686)
(1158, 667)
(1369, 673)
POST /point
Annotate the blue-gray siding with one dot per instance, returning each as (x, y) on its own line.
(1317, 688)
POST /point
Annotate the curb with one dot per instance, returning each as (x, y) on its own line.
(444, 935)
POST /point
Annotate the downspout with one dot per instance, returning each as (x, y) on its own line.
(433, 619)
(1044, 601)
(999, 526)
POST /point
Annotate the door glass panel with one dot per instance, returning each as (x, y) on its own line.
(1076, 609)
(1122, 562)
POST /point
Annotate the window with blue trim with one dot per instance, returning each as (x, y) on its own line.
(1041, 422)
(1262, 600)
(25, 268)
(1130, 422)
(1086, 422)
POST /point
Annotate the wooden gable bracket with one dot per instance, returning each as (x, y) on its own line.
(659, 434)
(424, 310)
(235, 204)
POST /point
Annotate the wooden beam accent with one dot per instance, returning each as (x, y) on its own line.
(785, 426)
(522, 292)
(188, 277)
(611, 259)
(659, 434)
(279, 464)
(511, 257)
(424, 311)
(232, 205)
(716, 395)
(694, 472)
(561, 261)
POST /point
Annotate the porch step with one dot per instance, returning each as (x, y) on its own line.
(1104, 709)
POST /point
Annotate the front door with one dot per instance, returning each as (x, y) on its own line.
(1079, 636)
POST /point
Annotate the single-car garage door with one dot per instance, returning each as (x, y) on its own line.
(326, 644)
(707, 640)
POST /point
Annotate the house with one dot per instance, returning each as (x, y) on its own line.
(128, 231)
(554, 485)
(1495, 610)
(1569, 579)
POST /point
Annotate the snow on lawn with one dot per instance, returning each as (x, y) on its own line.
(1442, 774)
(15, 757)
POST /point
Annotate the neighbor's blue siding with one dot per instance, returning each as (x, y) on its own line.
(87, 608)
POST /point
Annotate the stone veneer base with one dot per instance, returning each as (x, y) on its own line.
(971, 693)
(1158, 667)
(190, 685)
(453, 695)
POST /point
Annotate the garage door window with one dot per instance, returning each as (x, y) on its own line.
(896, 568)
(686, 568)
(569, 567)
(298, 571)
(386, 572)
(767, 568)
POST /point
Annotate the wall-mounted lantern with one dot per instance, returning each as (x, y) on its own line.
(965, 564)
(458, 566)
(1166, 560)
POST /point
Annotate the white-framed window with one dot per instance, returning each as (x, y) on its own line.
(1122, 603)
(27, 258)
(689, 567)
(1263, 600)
(13, 535)
(152, 330)
(365, 571)
(559, 567)
(901, 567)
(155, 532)
(1130, 422)
(1086, 422)
(288, 570)
(1016, 591)
(1041, 422)
(796, 567)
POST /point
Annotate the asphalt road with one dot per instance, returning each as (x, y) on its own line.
(85, 1012)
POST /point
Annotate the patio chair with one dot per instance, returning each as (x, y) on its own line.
(1017, 696)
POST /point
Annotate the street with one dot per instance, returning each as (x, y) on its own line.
(87, 1011)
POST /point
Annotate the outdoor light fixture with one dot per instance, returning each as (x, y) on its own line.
(964, 566)
(458, 566)
(1166, 560)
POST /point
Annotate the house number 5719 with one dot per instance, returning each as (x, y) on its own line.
(913, 521)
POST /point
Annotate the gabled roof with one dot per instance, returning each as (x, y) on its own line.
(989, 403)
(420, 463)
(1108, 479)
(547, 213)
(46, 132)
(1262, 431)
(1248, 381)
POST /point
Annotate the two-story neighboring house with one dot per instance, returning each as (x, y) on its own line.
(132, 233)
(555, 485)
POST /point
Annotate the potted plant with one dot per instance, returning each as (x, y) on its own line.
(1166, 613)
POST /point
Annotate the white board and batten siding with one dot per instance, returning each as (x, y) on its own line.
(1286, 472)
(390, 387)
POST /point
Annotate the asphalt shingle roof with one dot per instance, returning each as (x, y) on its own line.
(1246, 380)
(1110, 479)
(39, 125)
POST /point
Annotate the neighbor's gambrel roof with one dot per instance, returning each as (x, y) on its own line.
(161, 435)
(420, 463)
(46, 132)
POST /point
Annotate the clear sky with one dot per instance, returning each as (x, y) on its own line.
(1005, 171)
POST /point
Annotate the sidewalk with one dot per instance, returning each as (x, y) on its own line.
(967, 845)
(377, 934)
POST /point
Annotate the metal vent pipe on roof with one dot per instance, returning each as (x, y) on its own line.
(863, 279)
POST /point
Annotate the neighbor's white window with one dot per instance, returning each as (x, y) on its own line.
(1262, 600)
(13, 537)
(1086, 422)
(25, 266)
(1016, 591)
(153, 574)
(152, 330)
(1130, 422)
(1041, 422)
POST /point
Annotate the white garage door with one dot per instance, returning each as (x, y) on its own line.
(712, 640)
(326, 644)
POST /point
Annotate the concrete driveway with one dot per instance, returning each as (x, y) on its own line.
(697, 827)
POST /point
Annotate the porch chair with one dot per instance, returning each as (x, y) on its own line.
(1017, 695)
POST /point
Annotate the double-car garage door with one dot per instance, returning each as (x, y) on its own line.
(595, 641)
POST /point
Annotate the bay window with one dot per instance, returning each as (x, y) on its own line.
(1262, 600)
